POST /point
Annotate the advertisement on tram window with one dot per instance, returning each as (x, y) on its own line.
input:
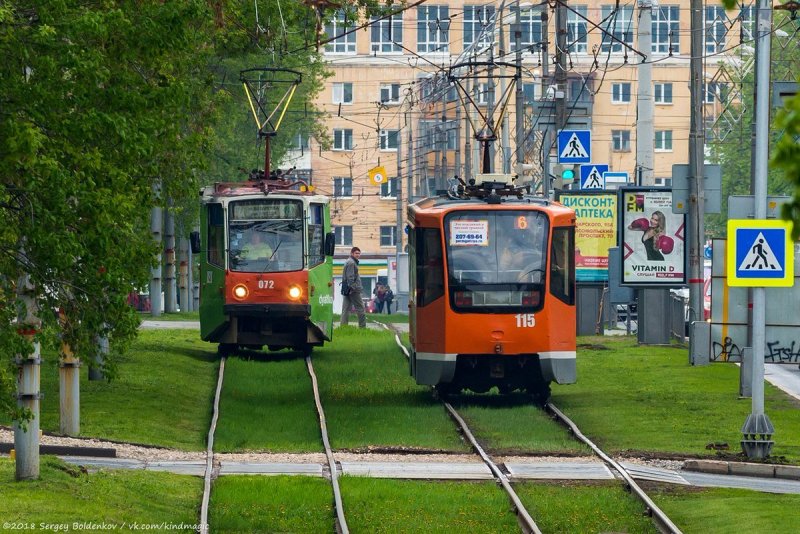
(652, 238)
(595, 232)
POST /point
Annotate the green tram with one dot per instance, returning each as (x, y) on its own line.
(266, 268)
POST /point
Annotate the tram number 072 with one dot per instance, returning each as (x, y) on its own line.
(525, 320)
(266, 284)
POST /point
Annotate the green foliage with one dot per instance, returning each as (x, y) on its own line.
(786, 157)
(734, 152)
(96, 102)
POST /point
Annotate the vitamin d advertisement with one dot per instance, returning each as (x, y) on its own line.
(595, 232)
(652, 239)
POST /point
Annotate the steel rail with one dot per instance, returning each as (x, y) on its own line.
(341, 522)
(663, 523)
(210, 452)
(526, 521)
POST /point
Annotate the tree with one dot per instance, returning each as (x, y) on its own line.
(96, 101)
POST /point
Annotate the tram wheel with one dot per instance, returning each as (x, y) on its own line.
(226, 349)
(307, 350)
(540, 392)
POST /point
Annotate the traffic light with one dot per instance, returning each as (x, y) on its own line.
(563, 174)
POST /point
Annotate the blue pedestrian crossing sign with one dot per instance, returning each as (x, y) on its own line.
(574, 146)
(760, 253)
(592, 176)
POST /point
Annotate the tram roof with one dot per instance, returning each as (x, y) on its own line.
(255, 189)
(445, 202)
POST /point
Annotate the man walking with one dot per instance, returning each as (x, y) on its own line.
(352, 280)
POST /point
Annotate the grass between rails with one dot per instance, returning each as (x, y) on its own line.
(64, 495)
(267, 404)
(271, 504)
(370, 400)
(631, 397)
(573, 506)
(162, 395)
(723, 510)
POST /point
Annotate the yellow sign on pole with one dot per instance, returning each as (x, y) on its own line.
(760, 253)
(377, 175)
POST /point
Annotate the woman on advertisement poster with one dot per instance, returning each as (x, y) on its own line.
(654, 235)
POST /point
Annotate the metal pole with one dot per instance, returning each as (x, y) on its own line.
(519, 98)
(170, 300)
(757, 430)
(695, 235)
(561, 65)
(468, 155)
(505, 140)
(398, 184)
(547, 182)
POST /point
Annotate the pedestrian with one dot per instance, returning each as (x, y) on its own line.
(380, 297)
(352, 290)
(388, 298)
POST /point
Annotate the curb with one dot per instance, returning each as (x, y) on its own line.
(717, 467)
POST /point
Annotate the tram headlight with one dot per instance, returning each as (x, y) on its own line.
(240, 291)
(295, 292)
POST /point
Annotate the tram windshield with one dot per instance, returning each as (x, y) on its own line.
(496, 260)
(265, 236)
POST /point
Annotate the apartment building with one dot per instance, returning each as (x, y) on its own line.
(383, 109)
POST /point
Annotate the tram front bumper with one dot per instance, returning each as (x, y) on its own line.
(268, 311)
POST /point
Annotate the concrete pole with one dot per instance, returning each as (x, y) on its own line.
(469, 157)
(398, 242)
(69, 389)
(505, 145)
(695, 235)
(757, 430)
(561, 65)
(644, 95)
(101, 351)
(26, 440)
(183, 274)
(155, 271)
(194, 283)
(170, 287)
(410, 164)
(547, 182)
(457, 162)
(519, 99)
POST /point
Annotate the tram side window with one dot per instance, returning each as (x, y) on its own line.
(429, 265)
(562, 265)
(316, 235)
(216, 235)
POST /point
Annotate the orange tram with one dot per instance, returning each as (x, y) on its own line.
(492, 299)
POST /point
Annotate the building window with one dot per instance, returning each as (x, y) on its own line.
(337, 27)
(621, 93)
(343, 93)
(344, 236)
(390, 93)
(433, 29)
(577, 37)
(389, 139)
(481, 93)
(663, 93)
(620, 25)
(666, 30)
(531, 22)
(300, 142)
(384, 34)
(579, 91)
(529, 92)
(663, 141)
(715, 92)
(715, 28)
(663, 182)
(747, 18)
(342, 139)
(343, 187)
(620, 140)
(388, 234)
(477, 19)
(389, 188)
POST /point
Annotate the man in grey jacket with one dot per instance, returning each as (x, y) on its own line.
(352, 279)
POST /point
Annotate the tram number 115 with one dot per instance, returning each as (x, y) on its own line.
(525, 320)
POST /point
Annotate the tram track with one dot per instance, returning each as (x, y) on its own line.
(212, 471)
(527, 523)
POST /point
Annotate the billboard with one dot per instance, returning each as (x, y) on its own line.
(652, 238)
(595, 232)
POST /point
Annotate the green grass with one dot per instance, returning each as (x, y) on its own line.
(370, 399)
(507, 424)
(649, 398)
(583, 507)
(175, 316)
(267, 405)
(162, 396)
(271, 504)
(64, 495)
(723, 510)
(390, 506)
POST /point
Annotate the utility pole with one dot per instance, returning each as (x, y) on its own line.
(26, 440)
(519, 95)
(561, 65)
(547, 182)
(170, 300)
(155, 271)
(644, 96)
(696, 209)
(468, 157)
(398, 193)
(757, 430)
